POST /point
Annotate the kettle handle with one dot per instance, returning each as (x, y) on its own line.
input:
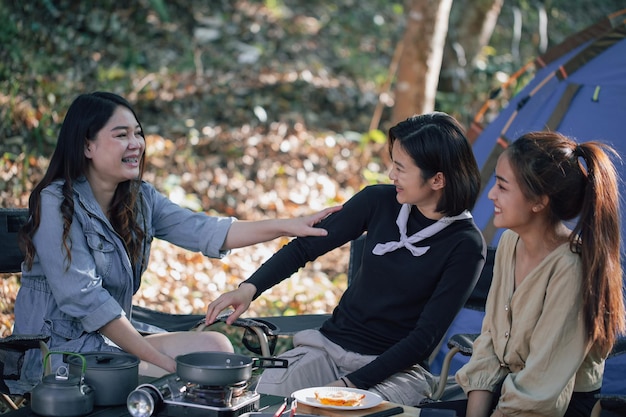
(84, 361)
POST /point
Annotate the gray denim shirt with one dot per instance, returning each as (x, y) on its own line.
(71, 301)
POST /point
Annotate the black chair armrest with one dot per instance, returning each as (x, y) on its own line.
(149, 321)
(458, 343)
(250, 323)
(23, 342)
(12, 351)
(261, 333)
(463, 342)
(290, 325)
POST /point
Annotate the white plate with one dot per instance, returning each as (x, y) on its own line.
(307, 396)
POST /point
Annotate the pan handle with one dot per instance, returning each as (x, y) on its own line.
(269, 363)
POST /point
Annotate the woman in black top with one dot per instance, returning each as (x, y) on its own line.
(423, 255)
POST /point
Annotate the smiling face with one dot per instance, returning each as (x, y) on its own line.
(512, 209)
(411, 187)
(115, 153)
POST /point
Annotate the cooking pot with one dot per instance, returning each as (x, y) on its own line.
(112, 375)
(63, 394)
(221, 369)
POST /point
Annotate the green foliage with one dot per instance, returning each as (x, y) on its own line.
(275, 6)
(10, 51)
(375, 136)
(374, 177)
(161, 8)
(358, 32)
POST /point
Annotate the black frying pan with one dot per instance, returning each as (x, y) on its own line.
(221, 369)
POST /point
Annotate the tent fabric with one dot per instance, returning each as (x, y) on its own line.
(579, 89)
(580, 93)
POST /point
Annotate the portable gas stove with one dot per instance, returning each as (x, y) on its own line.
(170, 396)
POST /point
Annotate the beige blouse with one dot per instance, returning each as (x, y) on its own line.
(533, 337)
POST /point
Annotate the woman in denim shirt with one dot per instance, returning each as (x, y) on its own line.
(88, 237)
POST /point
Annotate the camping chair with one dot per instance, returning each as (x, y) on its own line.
(610, 405)
(13, 348)
(145, 320)
(268, 328)
(261, 333)
(149, 321)
(458, 343)
(463, 344)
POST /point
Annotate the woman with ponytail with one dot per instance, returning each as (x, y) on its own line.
(556, 306)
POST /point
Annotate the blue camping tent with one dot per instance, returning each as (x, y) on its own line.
(578, 89)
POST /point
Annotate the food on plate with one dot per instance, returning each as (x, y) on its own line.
(340, 398)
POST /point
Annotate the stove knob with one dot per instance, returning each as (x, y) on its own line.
(143, 402)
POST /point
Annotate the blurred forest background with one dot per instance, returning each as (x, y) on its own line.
(256, 108)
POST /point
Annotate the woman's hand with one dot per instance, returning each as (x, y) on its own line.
(304, 226)
(166, 362)
(245, 233)
(239, 299)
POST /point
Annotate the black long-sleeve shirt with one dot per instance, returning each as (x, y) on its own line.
(398, 306)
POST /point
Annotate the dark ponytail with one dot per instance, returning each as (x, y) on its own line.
(581, 183)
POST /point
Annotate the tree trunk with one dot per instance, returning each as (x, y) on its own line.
(418, 71)
(471, 24)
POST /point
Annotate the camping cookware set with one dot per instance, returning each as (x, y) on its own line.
(212, 384)
(107, 378)
(92, 379)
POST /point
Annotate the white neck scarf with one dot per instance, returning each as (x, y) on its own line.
(407, 242)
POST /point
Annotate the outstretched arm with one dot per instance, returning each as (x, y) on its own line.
(245, 233)
(123, 334)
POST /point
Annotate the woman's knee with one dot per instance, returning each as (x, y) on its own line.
(220, 340)
(179, 343)
(209, 341)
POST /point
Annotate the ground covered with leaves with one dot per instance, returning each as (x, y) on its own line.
(251, 109)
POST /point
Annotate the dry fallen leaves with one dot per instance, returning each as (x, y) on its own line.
(180, 281)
